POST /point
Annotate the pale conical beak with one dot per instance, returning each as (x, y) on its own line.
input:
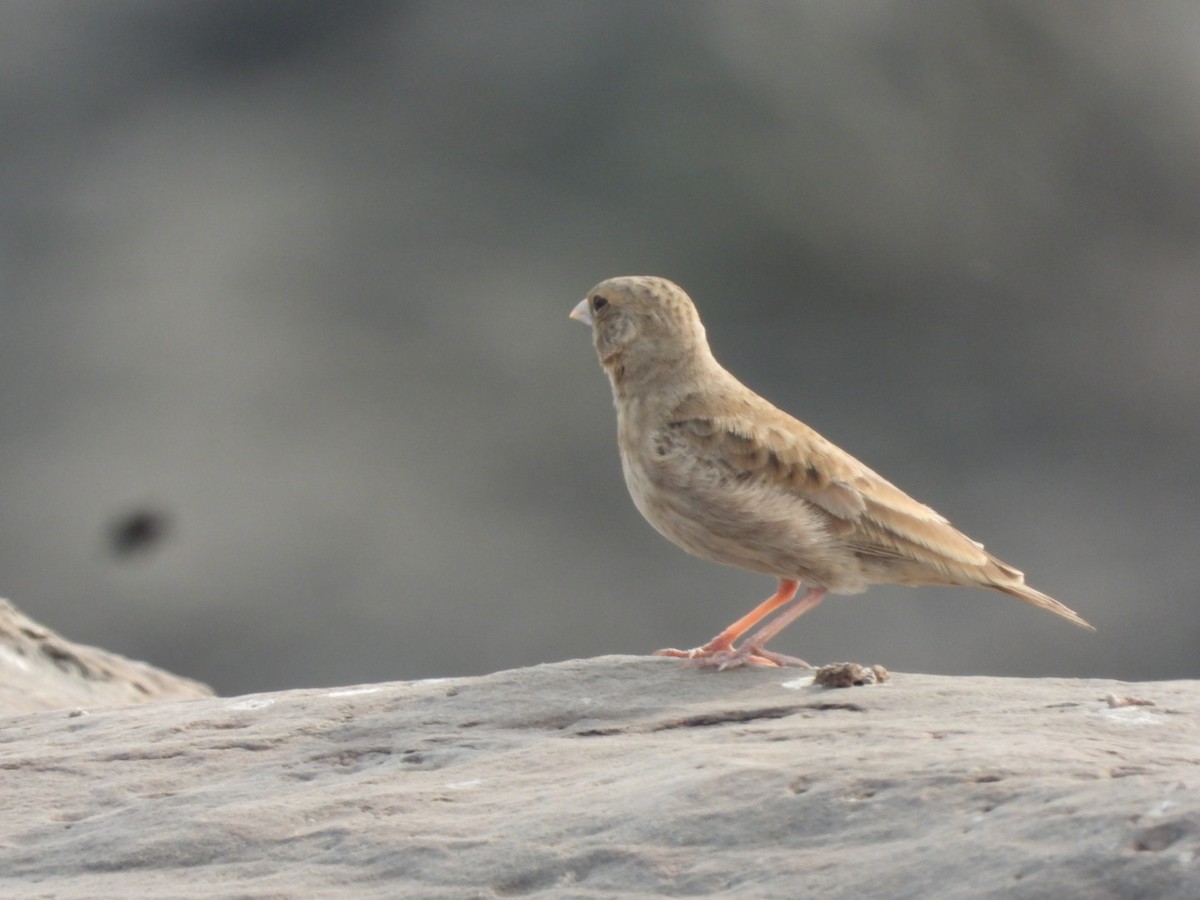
(582, 313)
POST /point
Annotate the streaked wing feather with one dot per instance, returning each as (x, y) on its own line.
(875, 516)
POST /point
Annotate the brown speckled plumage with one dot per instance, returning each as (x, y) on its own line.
(731, 478)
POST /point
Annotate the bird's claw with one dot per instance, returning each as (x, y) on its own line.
(722, 658)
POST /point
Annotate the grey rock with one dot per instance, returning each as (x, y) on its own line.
(40, 669)
(615, 777)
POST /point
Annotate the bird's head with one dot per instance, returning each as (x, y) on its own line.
(641, 325)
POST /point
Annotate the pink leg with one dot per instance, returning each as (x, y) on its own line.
(719, 652)
(754, 650)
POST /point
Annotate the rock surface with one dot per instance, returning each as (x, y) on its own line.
(40, 669)
(616, 776)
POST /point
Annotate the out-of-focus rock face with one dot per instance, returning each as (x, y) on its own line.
(615, 777)
(289, 392)
(40, 669)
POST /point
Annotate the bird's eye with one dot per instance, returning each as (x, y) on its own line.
(598, 303)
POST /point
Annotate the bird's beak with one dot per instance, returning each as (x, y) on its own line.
(582, 313)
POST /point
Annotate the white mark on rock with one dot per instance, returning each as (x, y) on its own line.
(463, 785)
(797, 683)
(15, 659)
(1164, 806)
(252, 703)
(355, 691)
(1133, 715)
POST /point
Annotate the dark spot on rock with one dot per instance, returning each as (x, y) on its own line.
(1160, 837)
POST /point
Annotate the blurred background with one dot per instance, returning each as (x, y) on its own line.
(289, 395)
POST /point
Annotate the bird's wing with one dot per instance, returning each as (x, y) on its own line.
(867, 511)
(873, 516)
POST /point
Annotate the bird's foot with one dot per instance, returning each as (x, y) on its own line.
(780, 659)
(722, 643)
(722, 657)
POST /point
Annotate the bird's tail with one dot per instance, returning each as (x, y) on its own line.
(1037, 598)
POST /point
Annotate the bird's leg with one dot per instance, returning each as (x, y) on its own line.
(752, 651)
(722, 645)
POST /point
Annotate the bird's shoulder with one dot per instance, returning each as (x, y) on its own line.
(753, 439)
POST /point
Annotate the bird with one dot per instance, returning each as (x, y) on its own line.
(731, 478)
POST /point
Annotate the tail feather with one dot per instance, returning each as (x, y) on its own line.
(1037, 598)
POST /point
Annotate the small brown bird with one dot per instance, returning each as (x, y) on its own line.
(730, 478)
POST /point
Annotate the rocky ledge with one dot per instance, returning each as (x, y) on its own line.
(614, 777)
